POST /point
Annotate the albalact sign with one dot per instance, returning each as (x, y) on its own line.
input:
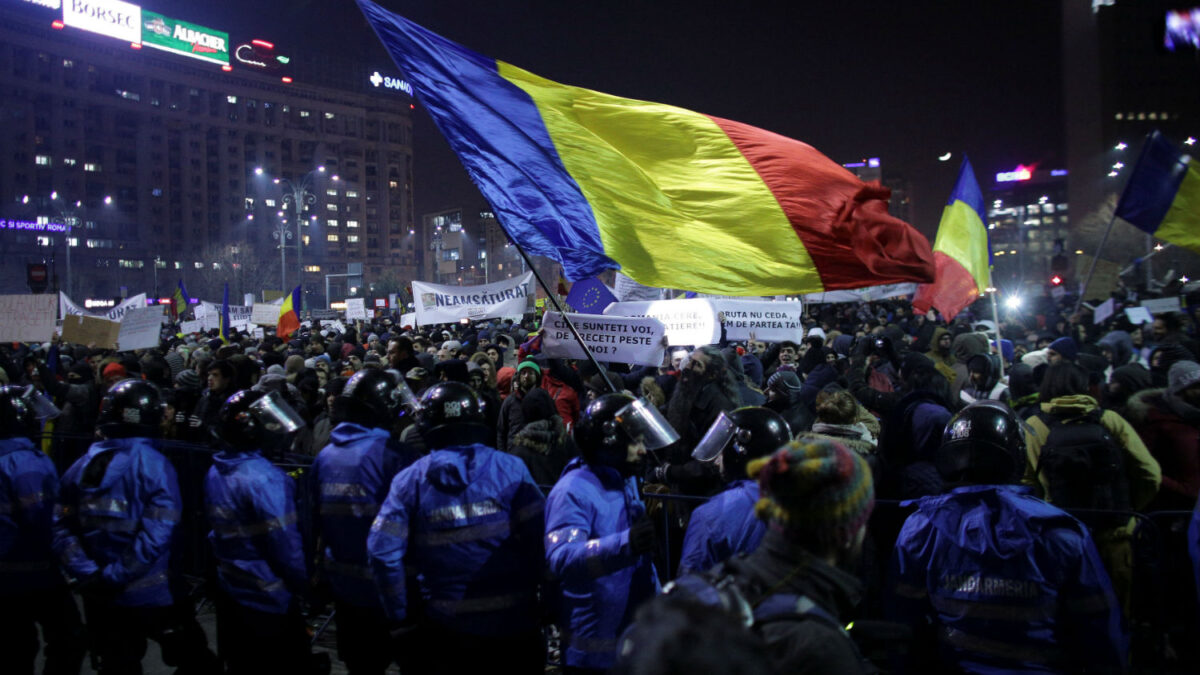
(182, 37)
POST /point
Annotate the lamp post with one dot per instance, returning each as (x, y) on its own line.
(69, 213)
(281, 234)
(296, 194)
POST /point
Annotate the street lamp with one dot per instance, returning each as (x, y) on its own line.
(281, 234)
(296, 194)
(69, 215)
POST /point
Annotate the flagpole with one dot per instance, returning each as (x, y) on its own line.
(996, 320)
(1092, 268)
(554, 298)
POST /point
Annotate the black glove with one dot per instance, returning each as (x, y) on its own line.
(641, 536)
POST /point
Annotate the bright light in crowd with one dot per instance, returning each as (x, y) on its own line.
(1190, 141)
(54, 195)
(1183, 279)
(107, 199)
(321, 169)
(1013, 302)
(25, 199)
(1119, 166)
(258, 171)
(1122, 145)
(945, 157)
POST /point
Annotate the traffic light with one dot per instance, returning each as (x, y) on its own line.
(1056, 280)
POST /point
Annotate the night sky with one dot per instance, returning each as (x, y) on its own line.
(904, 81)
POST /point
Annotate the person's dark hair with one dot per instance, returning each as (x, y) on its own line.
(930, 380)
(1172, 321)
(225, 368)
(836, 406)
(156, 370)
(1063, 379)
(537, 405)
(404, 344)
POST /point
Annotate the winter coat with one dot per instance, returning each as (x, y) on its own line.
(251, 506)
(809, 646)
(28, 488)
(566, 399)
(121, 528)
(545, 447)
(466, 522)
(352, 476)
(588, 516)
(510, 420)
(1143, 470)
(1006, 583)
(964, 347)
(1170, 429)
(722, 527)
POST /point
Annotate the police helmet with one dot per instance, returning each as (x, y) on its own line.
(131, 408)
(984, 443)
(741, 435)
(17, 419)
(609, 424)
(373, 398)
(256, 420)
(451, 414)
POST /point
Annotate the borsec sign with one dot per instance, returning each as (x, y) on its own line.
(113, 18)
(393, 83)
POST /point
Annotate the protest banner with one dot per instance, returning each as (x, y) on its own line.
(323, 314)
(770, 321)
(437, 303)
(687, 322)
(356, 308)
(263, 314)
(868, 294)
(188, 327)
(336, 326)
(239, 315)
(1138, 315)
(68, 307)
(141, 328)
(1162, 305)
(90, 331)
(258, 332)
(27, 318)
(409, 319)
(210, 321)
(1104, 310)
(628, 290)
(611, 338)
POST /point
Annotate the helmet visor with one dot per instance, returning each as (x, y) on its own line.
(42, 407)
(275, 415)
(715, 439)
(644, 423)
(405, 396)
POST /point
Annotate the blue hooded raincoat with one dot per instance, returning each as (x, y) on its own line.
(722, 527)
(28, 488)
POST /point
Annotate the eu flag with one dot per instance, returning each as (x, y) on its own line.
(590, 296)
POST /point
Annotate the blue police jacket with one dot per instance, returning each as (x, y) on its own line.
(1193, 539)
(467, 519)
(1008, 582)
(28, 488)
(255, 538)
(588, 515)
(722, 527)
(121, 528)
(353, 474)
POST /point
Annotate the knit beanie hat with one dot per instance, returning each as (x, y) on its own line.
(113, 370)
(1182, 375)
(785, 381)
(187, 379)
(529, 364)
(1067, 347)
(815, 491)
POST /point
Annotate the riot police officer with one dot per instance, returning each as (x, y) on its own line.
(726, 525)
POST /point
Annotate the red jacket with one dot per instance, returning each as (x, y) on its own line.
(566, 401)
(1174, 442)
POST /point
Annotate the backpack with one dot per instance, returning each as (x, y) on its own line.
(1084, 467)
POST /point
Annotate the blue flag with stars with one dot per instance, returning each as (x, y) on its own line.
(590, 296)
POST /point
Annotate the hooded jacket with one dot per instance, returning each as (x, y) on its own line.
(28, 488)
(944, 363)
(588, 516)
(120, 528)
(255, 537)
(467, 522)
(1142, 469)
(545, 447)
(722, 527)
(352, 475)
(964, 347)
(1170, 428)
(1006, 583)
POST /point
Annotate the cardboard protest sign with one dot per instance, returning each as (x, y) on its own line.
(409, 319)
(90, 331)
(1138, 315)
(437, 303)
(611, 338)
(191, 327)
(239, 315)
(141, 328)
(1104, 311)
(1162, 305)
(356, 308)
(687, 322)
(27, 318)
(769, 321)
(263, 314)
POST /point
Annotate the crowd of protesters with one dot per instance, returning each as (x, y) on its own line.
(473, 501)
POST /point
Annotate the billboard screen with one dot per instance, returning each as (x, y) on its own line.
(183, 37)
(113, 18)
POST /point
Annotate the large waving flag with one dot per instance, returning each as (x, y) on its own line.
(179, 301)
(289, 315)
(224, 319)
(671, 197)
(1162, 196)
(960, 250)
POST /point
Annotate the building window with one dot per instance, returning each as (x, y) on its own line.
(131, 264)
(269, 202)
(352, 194)
(331, 222)
(43, 160)
(331, 237)
(328, 115)
(305, 113)
(69, 161)
(331, 207)
(353, 238)
(331, 192)
(312, 268)
(231, 99)
(199, 265)
(92, 167)
(351, 223)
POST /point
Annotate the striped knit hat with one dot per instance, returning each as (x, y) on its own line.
(815, 491)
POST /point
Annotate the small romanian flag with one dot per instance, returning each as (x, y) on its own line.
(289, 315)
(960, 251)
(179, 301)
(672, 198)
(1162, 196)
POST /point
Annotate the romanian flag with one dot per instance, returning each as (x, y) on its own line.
(224, 319)
(289, 315)
(1162, 196)
(179, 301)
(961, 250)
(672, 198)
